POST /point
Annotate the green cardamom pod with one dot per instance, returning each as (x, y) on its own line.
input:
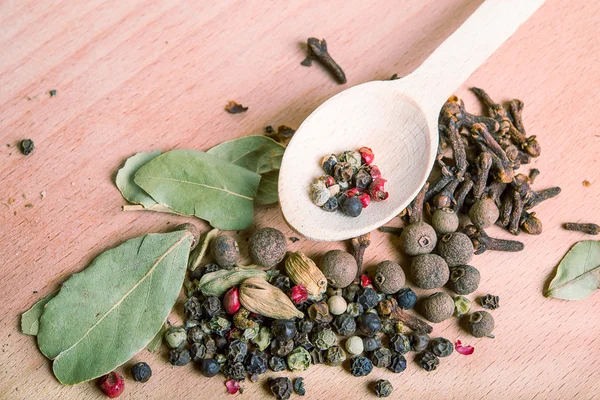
(218, 282)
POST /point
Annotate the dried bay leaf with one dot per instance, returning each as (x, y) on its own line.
(128, 188)
(105, 314)
(199, 252)
(155, 343)
(192, 182)
(259, 154)
(267, 189)
(578, 273)
(30, 319)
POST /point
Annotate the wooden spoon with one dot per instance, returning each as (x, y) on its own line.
(397, 119)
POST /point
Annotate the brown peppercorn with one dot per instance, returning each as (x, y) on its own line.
(437, 307)
(339, 267)
(225, 251)
(389, 277)
(418, 238)
(464, 279)
(444, 220)
(456, 248)
(267, 247)
(480, 323)
(429, 271)
(484, 213)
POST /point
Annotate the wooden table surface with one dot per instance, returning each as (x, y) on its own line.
(139, 75)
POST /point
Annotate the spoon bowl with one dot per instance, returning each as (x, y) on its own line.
(396, 119)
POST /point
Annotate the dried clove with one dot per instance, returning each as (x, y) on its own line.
(533, 173)
(538, 197)
(515, 215)
(416, 205)
(482, 242)
(390, 229)
(446, 197)
(396, 313)
(530, 223)
(394, 77)
(318, 50)
(458, 149)
(483, 165)
(502, 166)
(234, 108)
(506, 209)
(590, 229)
(283, 134)
(438, 185)
(359, 245)
(462, 192)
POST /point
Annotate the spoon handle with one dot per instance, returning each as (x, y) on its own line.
(466, 49)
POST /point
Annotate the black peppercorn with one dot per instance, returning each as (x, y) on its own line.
(335, 356)
(209, 367)
(211, 306)
(281, 349)
(381, 357)
(331, 205)
(303, 340)
(344, 324)
(490, 301)
(406, 298)
(400, 344)
(428, 361)
(328, 163)
(371, 343)
(398, 363)
(362, 179)
(27, 146)
(317, 356)
(256, 363)
(369, 323)
(276, 364)
(352, 207)
(282, 282)
(418, 341)
(236, 352)
(141, 372)
(234, 371)
(197, 352)
(179, 357)
(283, 329)
(383, 388)
(319, 313)
(218, 344)
(349, 293)
(441, 347)
(305, 325)
(360, 366)
(193, 308)
(299, 386)
(367, 297)
(281, 387)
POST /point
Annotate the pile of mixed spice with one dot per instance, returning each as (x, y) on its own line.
(350, 183)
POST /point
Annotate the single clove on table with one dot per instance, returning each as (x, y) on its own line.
(590, 229)
(317, 50)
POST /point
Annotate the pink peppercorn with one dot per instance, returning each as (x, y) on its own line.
(112, 384)
(231, 301)
(367, 155)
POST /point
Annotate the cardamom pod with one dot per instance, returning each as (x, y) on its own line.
(218, 282)
(303, 271)
(262, 298)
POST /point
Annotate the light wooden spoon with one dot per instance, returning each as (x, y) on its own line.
(397, 119)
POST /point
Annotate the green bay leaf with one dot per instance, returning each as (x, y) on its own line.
(155, 343)
(267, 189)
(191, 182)
(128, 188)
(578, 273)
(105, 314)
(258, 154)
(30, 319)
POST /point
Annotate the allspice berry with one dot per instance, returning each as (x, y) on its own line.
(339, 267)
(464, 279)
(480, 323)
(456, 248)
(437, 307)
(225, 251)
(484, 213)
(444, 220)
(389, 277)
(418, 238)
(429, 271)
(267, 247)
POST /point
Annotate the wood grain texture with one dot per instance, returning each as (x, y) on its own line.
(142, 74)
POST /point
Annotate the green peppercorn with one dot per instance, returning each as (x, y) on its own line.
(298, 360)
(175, 337)
(462, 305)
(354, 345)
(195, 334)
(464, 279)
(219, 325)
(383, 388)
(299, 386)
(193, 308)
(263, 339)
(324, 339)
(441, 347)
(351, 291)
(197, 351)
(241, 319)
(335, 356)
(354, 309)
(480, 324)
(276, 364)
